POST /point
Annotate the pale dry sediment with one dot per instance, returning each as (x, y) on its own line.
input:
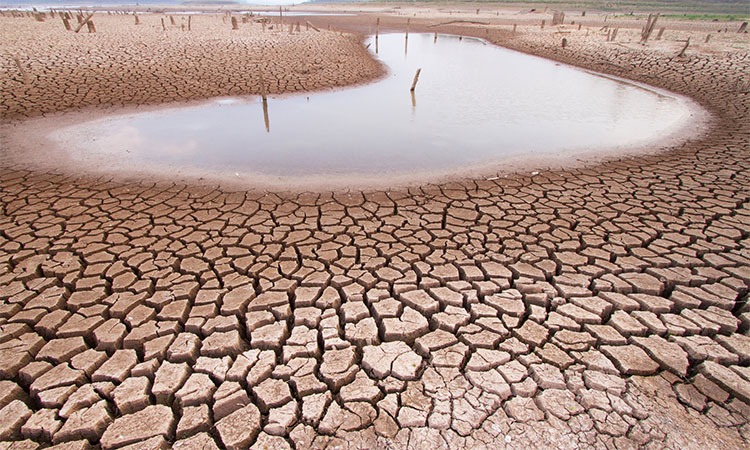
(126, 64)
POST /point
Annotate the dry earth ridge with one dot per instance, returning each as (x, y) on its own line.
(599, 307)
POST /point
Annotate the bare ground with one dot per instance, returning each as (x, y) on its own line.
(595, 307)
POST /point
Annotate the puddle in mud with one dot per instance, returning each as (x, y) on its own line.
(475, 105)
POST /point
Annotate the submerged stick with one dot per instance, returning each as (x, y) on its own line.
(416, 78)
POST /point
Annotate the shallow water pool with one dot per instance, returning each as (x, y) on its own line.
(475, 105)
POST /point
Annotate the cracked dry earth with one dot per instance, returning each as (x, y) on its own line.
(599, 307)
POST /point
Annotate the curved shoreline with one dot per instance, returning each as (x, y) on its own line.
(700, 130)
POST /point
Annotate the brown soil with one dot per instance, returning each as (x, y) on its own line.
(596, 307)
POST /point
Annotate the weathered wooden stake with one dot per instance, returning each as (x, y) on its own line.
(171, 20)
(66, 23)
(234, 23)
(682, 52)
(281, 17)
(190, 20)
(708, 37)
(137, 19)
(297, 28)
(564, 42)
(650, 24)
(416, 78)
(543, 21)
(660, 33)
(163, 27)
(435, 39)
(514, 27)
(84, 22)
(90, 25)
(377, 27)
(407, 28)
(743, 28)
(614, 34)
(313, 26)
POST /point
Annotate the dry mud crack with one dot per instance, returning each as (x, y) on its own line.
(598, 307)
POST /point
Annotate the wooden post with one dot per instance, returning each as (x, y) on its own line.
(234, 23)
(262, 86)
(137, 20)
(84, 22)
(190, 20)
(66, 23)
(661, 32)
(163, 27)
(708, 37)
(682, 52)
(171, 20)
(377, 27)
(90, 25)
(614, 34)
(281, 17)
(564, 42)
(543, 24)
(650, 24)
(514, 27)
(297, 28)
(743, 28)
(435, 39)
(416, 78)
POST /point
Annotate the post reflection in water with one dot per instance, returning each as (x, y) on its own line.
(265, 116)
